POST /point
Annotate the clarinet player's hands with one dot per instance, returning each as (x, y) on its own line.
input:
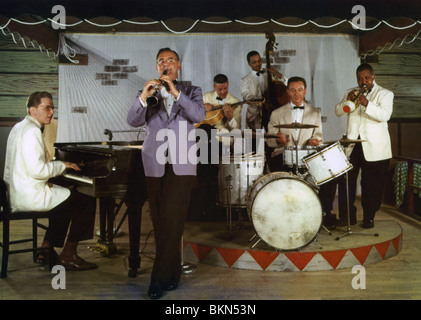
(148, 89)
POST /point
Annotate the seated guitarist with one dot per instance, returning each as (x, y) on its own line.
(205, 193)
(229, 118)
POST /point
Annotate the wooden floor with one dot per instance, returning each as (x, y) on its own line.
(398, 277)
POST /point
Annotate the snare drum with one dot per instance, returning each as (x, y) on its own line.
(285, 211)
(327, 164)
(290, 155)
(236, 175)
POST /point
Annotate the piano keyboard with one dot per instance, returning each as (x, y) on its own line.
(79, 178)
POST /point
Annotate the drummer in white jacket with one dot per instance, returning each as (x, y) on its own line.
(27, 173)
(369, 123)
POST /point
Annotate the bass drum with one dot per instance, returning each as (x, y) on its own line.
(285, 211)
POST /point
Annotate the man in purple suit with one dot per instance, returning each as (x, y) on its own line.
(169, 111)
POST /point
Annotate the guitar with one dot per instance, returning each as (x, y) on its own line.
(216, 114)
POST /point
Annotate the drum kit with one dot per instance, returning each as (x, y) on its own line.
(284, 208)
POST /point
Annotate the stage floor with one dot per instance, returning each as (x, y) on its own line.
(241, 278)
(213, 243)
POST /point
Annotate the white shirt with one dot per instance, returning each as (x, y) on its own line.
(297, 115)
(261, 79)
(168, 100)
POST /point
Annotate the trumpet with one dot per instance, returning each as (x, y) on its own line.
(351, 105)
(152, 100)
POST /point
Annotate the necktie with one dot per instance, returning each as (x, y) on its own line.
(300, 107)
(258, 73)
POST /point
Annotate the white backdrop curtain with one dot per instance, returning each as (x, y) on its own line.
(87, 106)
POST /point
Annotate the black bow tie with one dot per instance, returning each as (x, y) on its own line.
(300, 107)
(258, 73)
(175, 82)
(219, 98)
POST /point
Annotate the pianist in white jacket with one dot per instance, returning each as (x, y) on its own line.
(26, 174)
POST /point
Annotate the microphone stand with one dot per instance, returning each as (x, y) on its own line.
(186, 267)
(110, 132)
(348, 231)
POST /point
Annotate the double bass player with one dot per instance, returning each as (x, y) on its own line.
(254, 85)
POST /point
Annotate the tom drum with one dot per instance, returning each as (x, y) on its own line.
(327, 164)
(290, 155)
(235, 176)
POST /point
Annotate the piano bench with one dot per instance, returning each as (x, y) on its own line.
(6, 216)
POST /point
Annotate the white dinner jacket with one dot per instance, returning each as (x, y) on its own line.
(26, 171)
(223, 125)
(283, 115)
(370, 123)
(250, 89)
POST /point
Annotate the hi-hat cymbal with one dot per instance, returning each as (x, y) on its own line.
(296, 125)
(345, 141)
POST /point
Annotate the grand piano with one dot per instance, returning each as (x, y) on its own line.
(112, 172)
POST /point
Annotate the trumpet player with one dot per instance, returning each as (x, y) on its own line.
(368, 123)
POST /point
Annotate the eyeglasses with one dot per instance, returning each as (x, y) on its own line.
(48, 108)
(168, 60)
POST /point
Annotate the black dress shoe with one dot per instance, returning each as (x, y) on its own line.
(43, 257)
(368, 224)
(171, 286)
(155, 291)
(331, 224)
(76, 263)
(342, 223)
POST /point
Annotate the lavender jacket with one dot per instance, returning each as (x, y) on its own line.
(173, 135)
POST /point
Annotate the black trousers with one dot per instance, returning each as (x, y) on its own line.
(169, 198)
(79, 210)
(373, 175)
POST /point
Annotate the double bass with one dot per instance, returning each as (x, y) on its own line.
(276, 94)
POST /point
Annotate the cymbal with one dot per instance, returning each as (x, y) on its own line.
(296, 125)
(345, 141)
(253, 134)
